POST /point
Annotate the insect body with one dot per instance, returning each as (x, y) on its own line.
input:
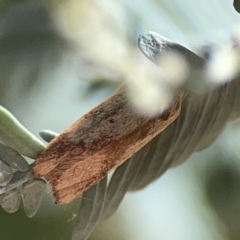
(97, 143)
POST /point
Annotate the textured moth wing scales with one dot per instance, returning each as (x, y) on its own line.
(97, 143)
(80, 135)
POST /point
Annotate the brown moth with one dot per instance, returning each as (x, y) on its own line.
(97, 143)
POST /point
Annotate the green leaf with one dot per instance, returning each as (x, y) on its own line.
(16, 136)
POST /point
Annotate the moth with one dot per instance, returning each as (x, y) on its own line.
(97, 143)
(108, 135)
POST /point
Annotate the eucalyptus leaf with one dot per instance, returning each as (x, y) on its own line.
(13, 159)
(10, 201)
(48, 135)
(32, 193)
(16, 136)
(202, 118)
(236, 4)
(89, 211)
(6, 173)
(17, 180)
(120, 182)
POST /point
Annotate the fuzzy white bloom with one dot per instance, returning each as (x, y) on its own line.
(150, 99)
(174, 67)
(148, 90)
(151, 89)
(223, 66)
(235, 36)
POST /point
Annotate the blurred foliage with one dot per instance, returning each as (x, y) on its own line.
(222, 189)
(40, 38)
(28, 47)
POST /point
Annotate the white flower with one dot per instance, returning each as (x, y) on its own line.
(222, 67)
